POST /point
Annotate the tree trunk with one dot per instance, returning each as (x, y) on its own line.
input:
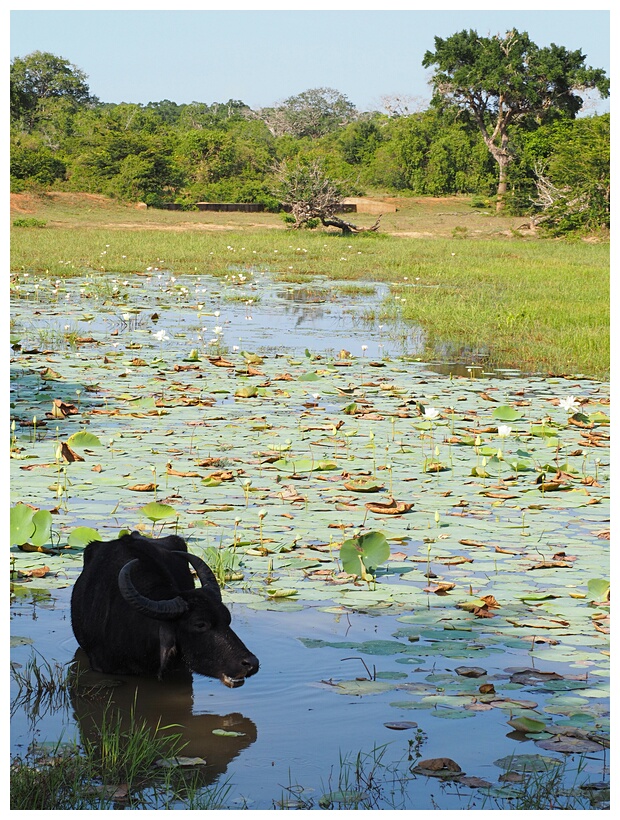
(347, 228)
(502, 186)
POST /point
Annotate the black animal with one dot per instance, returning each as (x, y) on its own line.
(135, 611)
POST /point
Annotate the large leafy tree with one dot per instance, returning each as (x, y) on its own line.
(505, 81)
(41, 78)
(312, 113)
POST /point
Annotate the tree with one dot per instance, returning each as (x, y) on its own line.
(505, 81)
(312, 113)
(573, 184)
(40, 77)
(312, 195)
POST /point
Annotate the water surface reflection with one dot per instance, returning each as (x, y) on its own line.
(97, 698)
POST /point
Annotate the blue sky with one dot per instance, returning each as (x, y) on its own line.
(263, 56)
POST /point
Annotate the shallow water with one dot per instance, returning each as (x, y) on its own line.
(297, 726)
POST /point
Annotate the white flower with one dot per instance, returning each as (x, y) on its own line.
(126, 316)
(431, 413)
(503, 431)
(217, 329)
(570, 404)
(161, 335)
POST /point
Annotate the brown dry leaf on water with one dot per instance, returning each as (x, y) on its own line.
(474, 782)
(506, 552)
(184, 474)
(61, 409)
(68, 454)
(39, 572)
(437, 766)
(143, 488)
(218, 361)
(469, 543)
(391, 507)
(440, 588)
(32, 548)
(289, 493)
(481, 607)
(212, 461)
(222, 475)
(588, 425)
(455, 561)
(180, 368)
(551, 565)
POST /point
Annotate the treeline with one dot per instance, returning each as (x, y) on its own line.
(64, 138)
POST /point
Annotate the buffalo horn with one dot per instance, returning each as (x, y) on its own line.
(164, 610)
(205, 574)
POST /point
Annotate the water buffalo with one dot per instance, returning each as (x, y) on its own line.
(135, 611)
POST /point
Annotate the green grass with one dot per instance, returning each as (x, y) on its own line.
(534, 304)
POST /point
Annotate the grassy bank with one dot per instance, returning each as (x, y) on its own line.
(530, 303)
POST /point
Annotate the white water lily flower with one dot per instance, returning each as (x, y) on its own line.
(570, 404)
(503, 431)
(431, 413)
(161, 335)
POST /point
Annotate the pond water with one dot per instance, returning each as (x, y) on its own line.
(343, 663)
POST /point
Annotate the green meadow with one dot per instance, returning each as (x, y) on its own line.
(472, 281)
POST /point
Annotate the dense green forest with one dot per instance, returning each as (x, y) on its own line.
(64, 138)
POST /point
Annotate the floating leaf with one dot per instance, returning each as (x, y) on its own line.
(391, 507)
(401, 725)
(598, 589)
(42, 520)
(365, 484)
(527, 725)
(211, 481)
(506, 413)
(82, 536)
(49, 375)
(173, 762)
(158, 512)
(225, 733)
(249, 392)
(275, 592)
(84, 439)
(21, 524)
(362, 555)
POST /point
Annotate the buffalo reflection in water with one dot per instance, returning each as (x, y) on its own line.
(158, 703)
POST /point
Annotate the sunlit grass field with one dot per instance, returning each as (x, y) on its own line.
(472, 281)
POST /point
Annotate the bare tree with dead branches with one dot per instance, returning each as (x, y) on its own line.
(310, 194)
